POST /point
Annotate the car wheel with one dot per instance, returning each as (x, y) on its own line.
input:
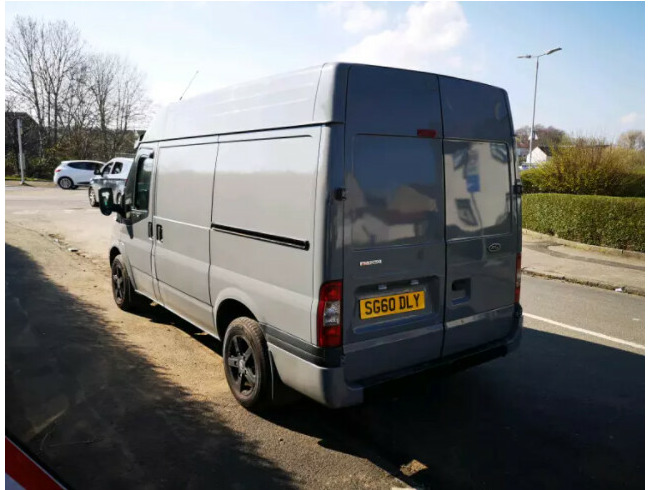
(118, 199)
(92, 199)
(66, 183)
(246, 362)
(123, 293)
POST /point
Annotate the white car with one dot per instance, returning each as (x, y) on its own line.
(72, 173)
(113, 175)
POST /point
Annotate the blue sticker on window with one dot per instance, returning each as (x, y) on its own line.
(473, 183)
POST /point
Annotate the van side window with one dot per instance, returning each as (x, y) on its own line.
(117, 168)
(143, 183)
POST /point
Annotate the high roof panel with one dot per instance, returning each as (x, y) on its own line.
(294, 99)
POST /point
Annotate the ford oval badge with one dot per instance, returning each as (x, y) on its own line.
(494, 247)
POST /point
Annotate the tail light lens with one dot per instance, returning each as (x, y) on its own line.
(518, 279)
(57, 170)
(330, 311)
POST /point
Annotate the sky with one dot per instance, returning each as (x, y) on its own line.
(593, 87)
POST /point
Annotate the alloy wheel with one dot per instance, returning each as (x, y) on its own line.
(118, 284)
(242, 365)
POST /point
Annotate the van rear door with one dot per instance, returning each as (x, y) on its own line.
(481, 223)
(394, 248)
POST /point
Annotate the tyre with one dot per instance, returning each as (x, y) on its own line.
(118, 199)
(246, 362)
(66, 183)
(91, 198)
(123, 293)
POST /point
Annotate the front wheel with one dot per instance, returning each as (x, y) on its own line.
(246, 362)
(92, 199)
(123, 293)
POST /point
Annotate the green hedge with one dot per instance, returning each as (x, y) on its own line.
(617, 222)
(621, 184)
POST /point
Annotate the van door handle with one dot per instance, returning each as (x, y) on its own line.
(159, 233)
(461, 290)
(150, 229)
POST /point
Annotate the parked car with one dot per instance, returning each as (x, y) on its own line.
(72, 173)
(335, 227)
(112, 175)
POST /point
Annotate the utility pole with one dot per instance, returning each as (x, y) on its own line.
(21, 158)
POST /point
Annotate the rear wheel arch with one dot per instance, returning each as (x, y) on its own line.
(113, 253)
(228, 310)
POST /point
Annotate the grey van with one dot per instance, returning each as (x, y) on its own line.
(335, 227)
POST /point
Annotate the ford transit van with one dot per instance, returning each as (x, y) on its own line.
(335, 227)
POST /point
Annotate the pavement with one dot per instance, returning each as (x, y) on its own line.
(610, 269)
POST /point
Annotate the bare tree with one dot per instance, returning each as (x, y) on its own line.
(22, 65)
(62, 55)
(119, 100)
(131, 103)
(41, 62)
(85, 105)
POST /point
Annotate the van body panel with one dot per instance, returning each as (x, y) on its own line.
(265, 186)
(394, 218)
(189, 308)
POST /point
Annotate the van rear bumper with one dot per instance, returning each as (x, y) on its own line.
(328, 385)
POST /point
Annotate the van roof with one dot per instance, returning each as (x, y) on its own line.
(311, 96)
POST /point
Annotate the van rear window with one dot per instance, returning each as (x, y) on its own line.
(395, 192)
(477, 183)
(474, 111)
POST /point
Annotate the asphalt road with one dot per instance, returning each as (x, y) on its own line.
(564, 411)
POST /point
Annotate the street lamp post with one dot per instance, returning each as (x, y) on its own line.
(532, 127)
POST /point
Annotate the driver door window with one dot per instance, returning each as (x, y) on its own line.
(143, 184)
(106, 170)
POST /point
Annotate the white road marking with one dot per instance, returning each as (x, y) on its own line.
(586, 332)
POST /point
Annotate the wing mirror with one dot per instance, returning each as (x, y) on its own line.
(107, 205)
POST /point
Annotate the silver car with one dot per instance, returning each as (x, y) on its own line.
(72, 173)
(112, 175)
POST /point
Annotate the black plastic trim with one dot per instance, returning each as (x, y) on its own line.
(264, 237)
(320, 356)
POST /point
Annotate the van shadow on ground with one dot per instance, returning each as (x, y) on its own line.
(93, 408)
(559, 413)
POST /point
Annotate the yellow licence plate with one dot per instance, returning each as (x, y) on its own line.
(391, 305)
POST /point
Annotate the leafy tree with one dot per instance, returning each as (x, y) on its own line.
(632, 140)
(545, 136)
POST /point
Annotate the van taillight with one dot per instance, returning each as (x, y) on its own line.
(57, 170)
(518, 279)
(328, 323)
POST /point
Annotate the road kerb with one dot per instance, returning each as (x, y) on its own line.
(585, 282)
(585, 246)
